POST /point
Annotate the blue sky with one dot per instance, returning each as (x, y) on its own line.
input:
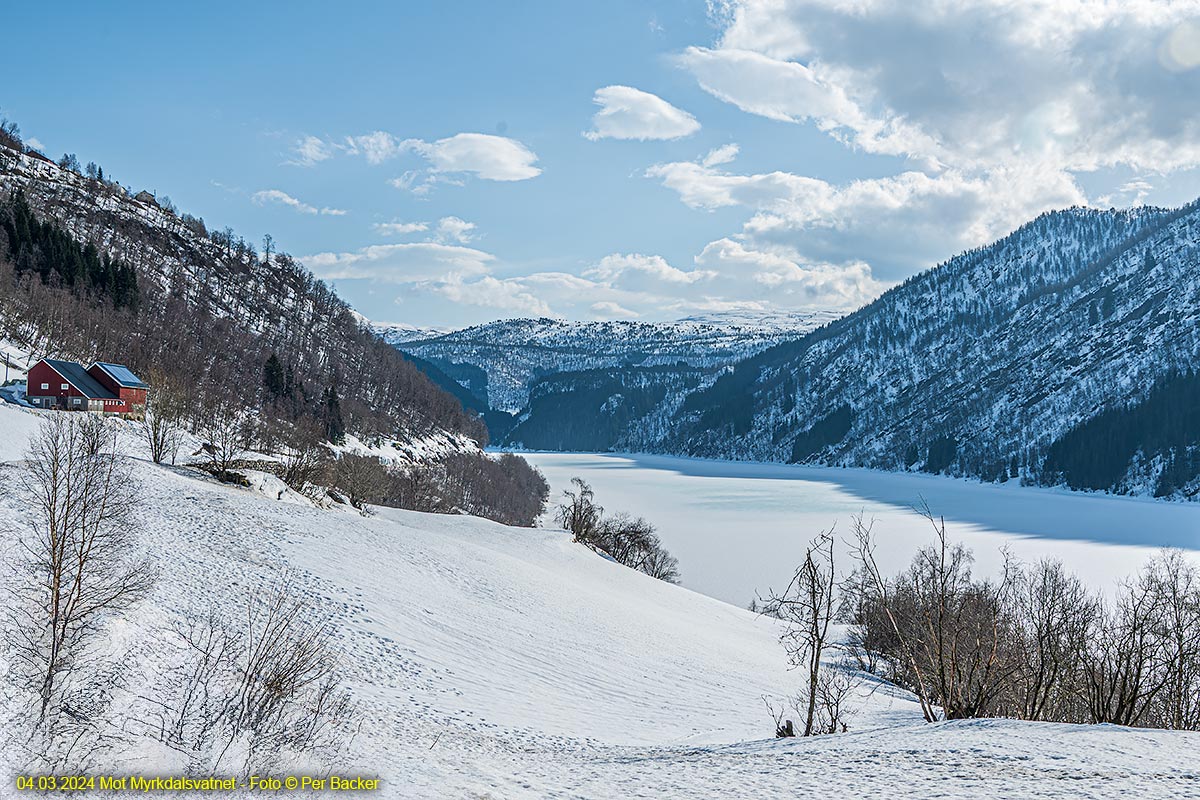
(453, 162)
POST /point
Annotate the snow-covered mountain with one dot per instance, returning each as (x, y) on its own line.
(487, 661)
(1059, 354)
(500, 361)
(984, 365)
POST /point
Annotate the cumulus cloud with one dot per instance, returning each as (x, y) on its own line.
(1078, 84)
(989, 108)
(726, 276)
(378, 146)
(634, 268)
(628, 113)
(454, 229)
(904, 222)
(494, 158)
(789, 282)
(610, 310)
(279, 197)
(489, 292)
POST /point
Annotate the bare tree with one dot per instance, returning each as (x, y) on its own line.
(1056, 613)
(1176, 584)
(305, 458)
(881, 596)
(807, 607)
(79, 558)
(362, 479)
(162, 424)
(224, 435)
(1124, 663)
(578, 512)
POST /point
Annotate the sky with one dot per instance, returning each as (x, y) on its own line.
(449, 163)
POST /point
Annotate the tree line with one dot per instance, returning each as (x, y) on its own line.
(1031, 643)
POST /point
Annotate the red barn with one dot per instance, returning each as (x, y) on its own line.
(103, 388)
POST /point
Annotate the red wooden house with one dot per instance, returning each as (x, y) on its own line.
(103, 388)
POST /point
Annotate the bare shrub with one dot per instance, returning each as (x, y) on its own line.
(836, 685)
(1034, 644)
(628, 540)
(260, 694)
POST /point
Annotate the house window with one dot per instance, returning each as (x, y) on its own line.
(45, 386)
(65, 386)
(76, 400)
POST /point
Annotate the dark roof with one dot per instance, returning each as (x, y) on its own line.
(78, 377)
(122, 375)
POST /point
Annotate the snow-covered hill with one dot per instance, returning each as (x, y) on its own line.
(511, 663)
(510, 355)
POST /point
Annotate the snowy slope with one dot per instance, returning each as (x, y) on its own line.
(510, 663)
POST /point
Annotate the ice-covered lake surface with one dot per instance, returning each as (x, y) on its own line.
(739, 528)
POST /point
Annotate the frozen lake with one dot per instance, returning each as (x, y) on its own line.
(738, 528)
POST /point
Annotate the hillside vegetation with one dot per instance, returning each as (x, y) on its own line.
(232, 335)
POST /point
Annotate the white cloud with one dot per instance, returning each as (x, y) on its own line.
(990, 108)
(408, 262)
(310, 150)
(788, 282)
(906, 221)
(35, 143)
(489, 292)
(397, 228)
(636, 269)
(628, 113)
(378, 146)
(280, 197)
(973, 84)
(494, 158)
(610, 310)
(1181, 49)
(721, 155)
(447, 230)
(727, 275)
(453, 229)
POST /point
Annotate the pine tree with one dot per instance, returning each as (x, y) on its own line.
(273, 378)
(331, 407)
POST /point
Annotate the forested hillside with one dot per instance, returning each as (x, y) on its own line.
(91, 271)
(984, 365)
